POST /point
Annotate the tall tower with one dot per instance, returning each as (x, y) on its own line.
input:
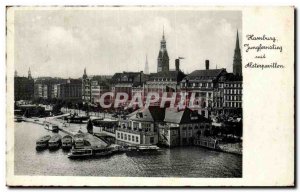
(84, 74)
(163, 57)
(146, 66)
(237, 58)
(29, 74)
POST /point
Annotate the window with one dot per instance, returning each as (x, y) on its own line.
(137, 139)
(121, 135)
(183, 133)
(125, 136)
(129, 137)
(151, 140)
(118, 135)
(132, 138)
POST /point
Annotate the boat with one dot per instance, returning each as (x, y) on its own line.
(42, 143)
(66, 142)
(80, 153)
(78, 141)
(50, 127)
(18, 119)
(140, 149)
(54, 142)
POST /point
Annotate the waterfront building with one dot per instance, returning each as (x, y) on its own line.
(46, 87)
(127, 81)
(181, 126)
(233, 92)
(203, 84)
(70, 90)
(165, 81)
(94, 86)
(141, 126)
(23, 87)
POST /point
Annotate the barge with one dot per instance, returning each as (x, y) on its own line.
(42, 143)
(54, 142)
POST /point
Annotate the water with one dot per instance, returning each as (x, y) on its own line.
(176, 162)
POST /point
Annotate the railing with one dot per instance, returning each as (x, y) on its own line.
(148, 133)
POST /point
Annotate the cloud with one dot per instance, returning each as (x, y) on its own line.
(62, 43)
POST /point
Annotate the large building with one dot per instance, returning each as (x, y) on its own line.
(181, 127)
(233, 92)
(203, 83)
(23, 87)
(70, 91)
(94, 86)
(46, 87)
(141, 127)
(127, 82)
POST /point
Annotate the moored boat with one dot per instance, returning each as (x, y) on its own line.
(18, 119)
(54, 142)
(66, 142)
(53, 128)
(42, 143)
(141, 149)
(80, 153)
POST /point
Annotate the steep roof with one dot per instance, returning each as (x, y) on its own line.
(232, 77)
(206, 73)
(175, 75)
(183, 116)
(150, 114)
(127, 77)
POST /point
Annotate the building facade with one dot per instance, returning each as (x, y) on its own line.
(23, 87)
(203, 84)
(70, 91)
(181, 127)
(141, 127)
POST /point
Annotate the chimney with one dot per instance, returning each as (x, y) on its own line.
(177, 63)
(206, 64)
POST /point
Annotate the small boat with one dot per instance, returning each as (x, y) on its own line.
(80, 153)
(66, 143)
(18, 119)
(78, 141)
(50, 127)
(54, 142)
(42, 143)
(103, 152)
(141, 149)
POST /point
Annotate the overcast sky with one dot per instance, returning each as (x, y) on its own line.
(61, 43)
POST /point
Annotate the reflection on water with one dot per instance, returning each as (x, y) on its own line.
(176, 162)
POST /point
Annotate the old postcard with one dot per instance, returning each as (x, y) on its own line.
(150, 96)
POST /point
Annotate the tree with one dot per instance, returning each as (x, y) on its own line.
(89, 126)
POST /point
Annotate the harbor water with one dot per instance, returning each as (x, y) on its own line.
(175, 162)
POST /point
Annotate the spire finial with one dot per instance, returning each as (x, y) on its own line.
(163, 32)
(237, 44)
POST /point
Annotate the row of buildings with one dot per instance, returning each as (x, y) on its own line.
(216, 90)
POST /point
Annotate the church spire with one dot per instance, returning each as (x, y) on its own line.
(84, 74)
(237, 44)
(29, 74)
(237, 58)
(146, 66)
(163, 57)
